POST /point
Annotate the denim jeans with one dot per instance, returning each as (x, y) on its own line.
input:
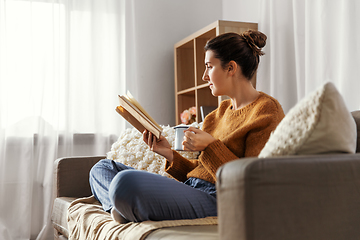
(140, 196)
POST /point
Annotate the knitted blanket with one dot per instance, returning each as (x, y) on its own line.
(132, 151)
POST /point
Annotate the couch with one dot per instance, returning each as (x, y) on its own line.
(305, 184)
(287, 197)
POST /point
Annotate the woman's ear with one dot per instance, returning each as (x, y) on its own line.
(232, 67)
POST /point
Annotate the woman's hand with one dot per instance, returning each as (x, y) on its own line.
(160, 146)
(196, 139)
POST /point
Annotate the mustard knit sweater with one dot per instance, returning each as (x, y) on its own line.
(239, 133)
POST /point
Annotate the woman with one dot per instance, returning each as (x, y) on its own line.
(238, 128)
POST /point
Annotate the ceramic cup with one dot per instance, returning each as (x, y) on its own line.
(179, 137)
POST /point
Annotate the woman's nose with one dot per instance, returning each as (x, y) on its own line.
(205, 76)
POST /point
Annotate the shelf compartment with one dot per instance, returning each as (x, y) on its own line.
(205, 98)
(185, 72)
(185, 101)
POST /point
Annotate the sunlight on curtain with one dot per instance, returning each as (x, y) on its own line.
(60, 76)
(310, 43)
(32, 50)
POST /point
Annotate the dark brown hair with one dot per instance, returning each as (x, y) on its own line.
(244, 49)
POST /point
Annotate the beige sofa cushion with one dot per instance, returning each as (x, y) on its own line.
(319, 123)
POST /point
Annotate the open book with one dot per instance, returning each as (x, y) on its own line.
(136, 115)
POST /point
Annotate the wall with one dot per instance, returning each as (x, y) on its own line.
(153, 27)
(241, 10)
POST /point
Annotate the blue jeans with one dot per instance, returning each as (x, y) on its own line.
(140, 196)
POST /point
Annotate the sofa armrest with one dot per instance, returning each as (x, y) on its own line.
(71, 176)
(293, 197)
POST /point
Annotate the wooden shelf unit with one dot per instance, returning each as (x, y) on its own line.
(189, 55)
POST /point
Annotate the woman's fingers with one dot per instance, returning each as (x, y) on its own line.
(188, 145)
(150, 142)
(148, 138)
(145, 136)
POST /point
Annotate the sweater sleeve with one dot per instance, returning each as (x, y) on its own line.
(215, 155)
(180, 167)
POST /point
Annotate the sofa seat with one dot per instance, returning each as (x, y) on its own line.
(60, 223)
(59, 214)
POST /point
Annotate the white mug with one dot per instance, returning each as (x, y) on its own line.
(179, 137)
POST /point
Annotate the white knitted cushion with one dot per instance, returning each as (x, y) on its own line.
(131, 150)
(319, 123)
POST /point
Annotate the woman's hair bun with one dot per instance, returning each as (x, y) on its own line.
(244, 49)
(256, 40)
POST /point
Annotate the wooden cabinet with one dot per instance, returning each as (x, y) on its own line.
(190, 89)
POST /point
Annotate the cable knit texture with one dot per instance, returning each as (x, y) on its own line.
(239, 133)
(131, 150)
(319, 123)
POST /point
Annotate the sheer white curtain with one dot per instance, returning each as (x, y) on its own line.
(310, 43)
(60, 73)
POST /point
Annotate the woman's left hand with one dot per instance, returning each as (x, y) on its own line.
(196, 139)
(160, 146)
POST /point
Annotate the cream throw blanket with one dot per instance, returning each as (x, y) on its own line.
(87, 220)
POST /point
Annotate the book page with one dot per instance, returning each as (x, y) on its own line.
(133, 109)
(136, 118)
(137, 104)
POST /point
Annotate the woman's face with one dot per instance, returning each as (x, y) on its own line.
(215, 74)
